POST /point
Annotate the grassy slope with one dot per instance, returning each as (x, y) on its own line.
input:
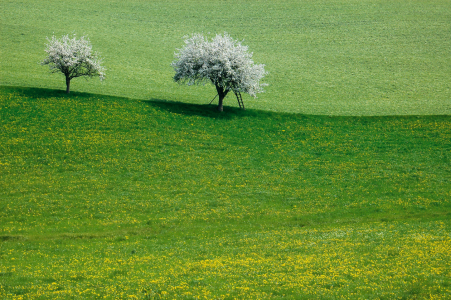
(325, 57)
(103, 196)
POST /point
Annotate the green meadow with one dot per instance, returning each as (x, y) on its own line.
(328, 57)
(334, 184)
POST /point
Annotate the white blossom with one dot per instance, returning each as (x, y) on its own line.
(73, 57)
(223, 61)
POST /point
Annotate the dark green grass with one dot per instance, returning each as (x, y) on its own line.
(367, 57)
(106, 196)
(87, 146)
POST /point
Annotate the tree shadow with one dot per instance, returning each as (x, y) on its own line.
(188, 109)
(202, 110)
(34, 92)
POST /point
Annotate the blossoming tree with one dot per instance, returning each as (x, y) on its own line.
(73, 57)
(223, 61)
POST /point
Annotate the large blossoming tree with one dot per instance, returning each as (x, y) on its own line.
(223, 61)
(73, 57)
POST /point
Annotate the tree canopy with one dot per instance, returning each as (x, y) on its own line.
(73, 57)
(223, 61)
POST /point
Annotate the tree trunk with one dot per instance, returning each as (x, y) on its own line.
(220, 106)
(221, 94)
(67, 85)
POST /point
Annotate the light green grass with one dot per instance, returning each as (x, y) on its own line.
(324, 57)
(122, 199)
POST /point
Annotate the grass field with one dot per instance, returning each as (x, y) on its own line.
(109, 197)
(334, 184)
(353, 57)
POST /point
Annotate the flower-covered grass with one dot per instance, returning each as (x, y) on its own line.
(106, 197)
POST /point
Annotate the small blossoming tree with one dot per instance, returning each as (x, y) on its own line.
(224, 62)
(73, 57)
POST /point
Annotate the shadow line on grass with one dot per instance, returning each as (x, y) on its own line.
(202, 110)
(34, 92)
(189, 109)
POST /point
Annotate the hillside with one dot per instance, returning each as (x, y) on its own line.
(334, 184)
(341, 57)
(111, 197)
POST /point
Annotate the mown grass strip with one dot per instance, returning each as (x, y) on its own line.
(363, 57)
